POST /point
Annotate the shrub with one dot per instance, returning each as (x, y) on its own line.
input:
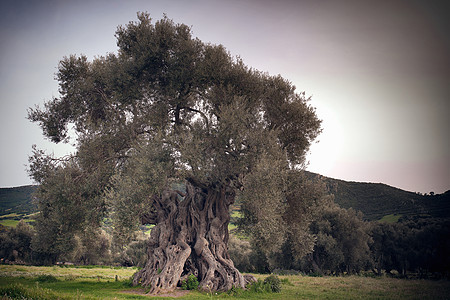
(271, 284)
(191, 283)
(240, 252)
(15, 243)
(258, 287)
(235, 292)
(274, 283)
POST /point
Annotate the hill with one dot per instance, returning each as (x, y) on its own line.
(376, 200)
(17, 200)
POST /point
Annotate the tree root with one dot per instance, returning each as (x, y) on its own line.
(190, 237)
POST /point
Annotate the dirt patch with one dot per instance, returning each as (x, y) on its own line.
(142, 292)
(175, 294)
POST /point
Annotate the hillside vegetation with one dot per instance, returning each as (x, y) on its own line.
(17, 200)
(376, 200)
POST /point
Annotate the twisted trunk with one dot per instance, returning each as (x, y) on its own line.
(190, 237)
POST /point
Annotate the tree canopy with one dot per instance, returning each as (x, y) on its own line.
(167, 112)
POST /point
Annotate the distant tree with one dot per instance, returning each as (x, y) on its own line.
(15, 243)
(419, 245)
(169, 110)
(136, 253)
(385, 246)
(69, 202)
(342, 243)
(433, 243)
(92, 247)
(240, 252)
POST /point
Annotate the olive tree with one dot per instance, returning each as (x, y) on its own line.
(168, 131)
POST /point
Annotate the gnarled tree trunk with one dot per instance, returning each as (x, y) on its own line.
(190, 237)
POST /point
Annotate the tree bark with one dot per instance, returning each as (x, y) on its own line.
(190, 237)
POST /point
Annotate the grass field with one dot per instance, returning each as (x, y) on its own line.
(392, 218)
(13, 223)
(29, 282)
(12, 215)
(11, 220)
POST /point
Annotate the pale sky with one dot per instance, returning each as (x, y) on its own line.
(378, 73)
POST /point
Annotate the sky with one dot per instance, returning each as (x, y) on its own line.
(378, 73)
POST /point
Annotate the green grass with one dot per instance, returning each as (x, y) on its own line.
(30, 216)
(231, 227)
(32, 282)
(12, 219)
(8, 216)
(12, 223)
(9, 222)
(236, 214)
(392, 218)
(97, 273)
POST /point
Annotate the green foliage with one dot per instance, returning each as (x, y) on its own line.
(240, 252)
(271, 284)
(15, 243)
(146, 118)
(137, 253)
(274, 283)
(263, 202)
(342, 241)
(17, 200)
(377, 200)
(278, 208)
(19, 291)
(417, 245)
(92, 246)
(191, 283)
(259, 287)
(68, 204)
(146, 173)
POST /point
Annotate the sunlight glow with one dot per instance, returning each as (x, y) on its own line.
(325, 153)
